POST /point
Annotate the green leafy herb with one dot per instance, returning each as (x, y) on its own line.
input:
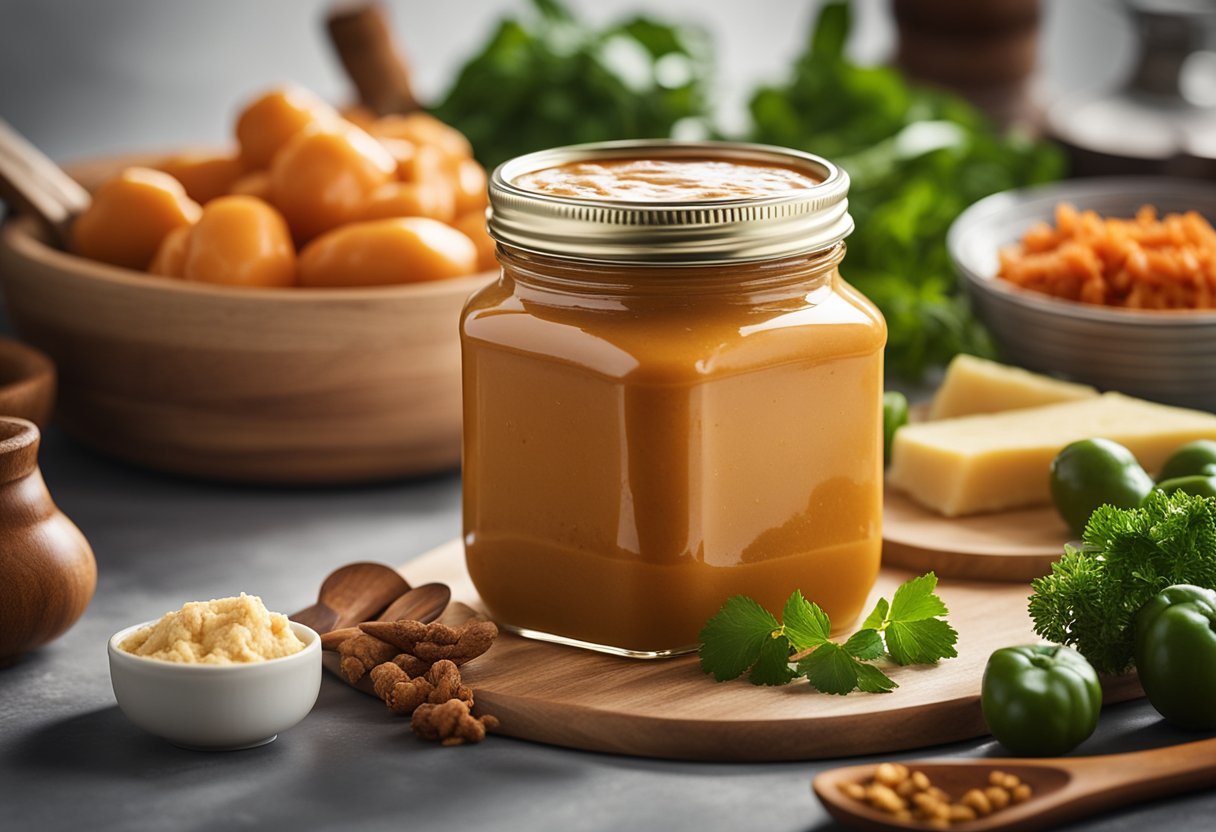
(744, 637)
(916, 158)
(1127, 556)
(548, 79)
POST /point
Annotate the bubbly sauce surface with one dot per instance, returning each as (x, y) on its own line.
(666, 180)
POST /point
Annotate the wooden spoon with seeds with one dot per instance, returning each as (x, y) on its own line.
(1064, 789)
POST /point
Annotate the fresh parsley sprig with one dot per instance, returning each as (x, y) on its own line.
(744, 637)
(1090, 599)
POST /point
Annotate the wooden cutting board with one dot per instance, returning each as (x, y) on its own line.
(670, 709)
(1004, 546)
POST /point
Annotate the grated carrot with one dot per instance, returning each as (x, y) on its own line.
(1141, 263)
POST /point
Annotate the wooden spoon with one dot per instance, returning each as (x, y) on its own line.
(1064, 788)
(422, 603)
(363, 39)
(33, 184)
(351, 594)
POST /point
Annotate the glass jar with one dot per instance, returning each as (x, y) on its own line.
(667, 403)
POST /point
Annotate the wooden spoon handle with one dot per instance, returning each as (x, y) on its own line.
(364, 42)
(1108, 781)
(1139, 775)
(33, 184)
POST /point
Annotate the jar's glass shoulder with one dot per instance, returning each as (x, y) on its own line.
(677, 340)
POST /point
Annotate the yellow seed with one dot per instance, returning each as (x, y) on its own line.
(881, 797)
(925, 802)
(903, 814)
(920, 780)
(978, 801)
(937, 794)
(998, 797)
(853, 790)
(1021, 792)
(889, 774)
(960, 813)
(907, 788)
(996, 778)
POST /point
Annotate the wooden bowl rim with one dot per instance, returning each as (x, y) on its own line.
(23, 237)
(29, 363)
(32, 374)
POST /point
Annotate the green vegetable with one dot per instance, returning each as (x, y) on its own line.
(1095, 472)
(1193, 459)
(1091, 597)
(745, 636)
(1201, 486)
(916, 157)
(1040, 700)
(552, 80)
(1176, 655)
(894, 417)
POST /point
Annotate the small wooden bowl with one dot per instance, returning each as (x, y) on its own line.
(257, 385)
(27, 383)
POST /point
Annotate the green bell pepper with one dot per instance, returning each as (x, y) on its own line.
(1196, 458)
(1196, 485)
(1176, 654)
(1095, 472)
(894, 417)
(1040, 700)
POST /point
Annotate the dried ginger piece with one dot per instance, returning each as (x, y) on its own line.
(432, 642)
(412, 665)
(445, 676)
(403, 693)
(361, 653)
(451, 723)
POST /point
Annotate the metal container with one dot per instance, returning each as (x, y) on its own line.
(1165, 356)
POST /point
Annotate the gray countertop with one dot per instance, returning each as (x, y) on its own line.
(70, 760)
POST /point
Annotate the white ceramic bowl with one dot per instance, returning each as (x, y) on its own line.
(217, 707)
(1166, 356)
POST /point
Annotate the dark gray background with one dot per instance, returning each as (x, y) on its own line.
(87, 77)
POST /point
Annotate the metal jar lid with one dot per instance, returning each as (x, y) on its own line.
(719, 231)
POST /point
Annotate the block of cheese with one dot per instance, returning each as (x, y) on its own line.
(997, 461)
(976, 385)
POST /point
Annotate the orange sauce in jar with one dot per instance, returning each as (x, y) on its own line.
(645, 439)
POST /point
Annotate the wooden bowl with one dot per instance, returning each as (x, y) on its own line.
(257, 385)
(27, 383)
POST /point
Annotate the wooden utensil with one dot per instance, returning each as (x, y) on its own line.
(422, 603)
(364, 42)
(351, 594)
(34, 185)
(1064, 788)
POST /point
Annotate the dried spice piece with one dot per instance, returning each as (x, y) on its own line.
(361, 653)
(432, 642)
(403, 693)
(451, 723)
(412, 665)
